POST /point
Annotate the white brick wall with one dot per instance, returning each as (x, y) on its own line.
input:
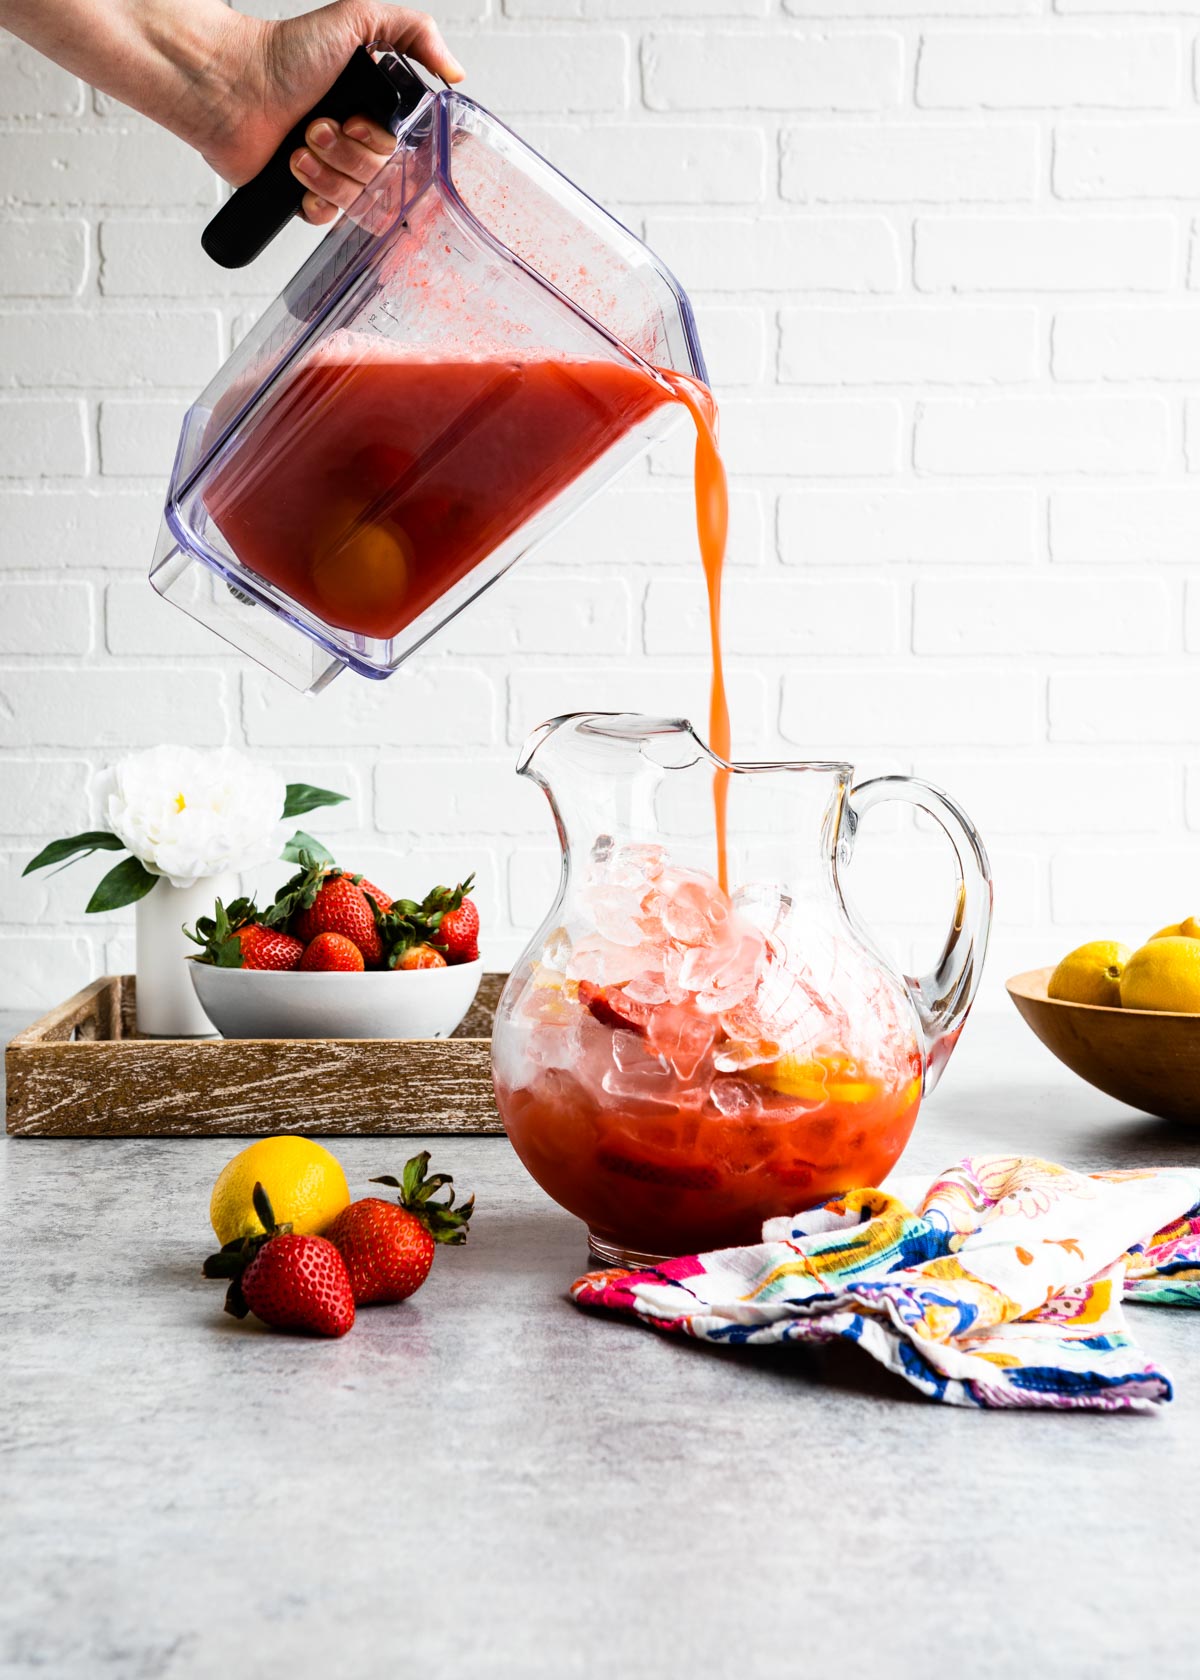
(945, 256)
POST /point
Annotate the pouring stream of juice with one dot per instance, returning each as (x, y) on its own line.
(712, 528)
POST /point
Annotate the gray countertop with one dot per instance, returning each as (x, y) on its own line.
(485, 1481)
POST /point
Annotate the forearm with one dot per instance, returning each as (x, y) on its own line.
(163, 58)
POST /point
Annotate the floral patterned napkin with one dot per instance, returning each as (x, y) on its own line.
(1001, 1286)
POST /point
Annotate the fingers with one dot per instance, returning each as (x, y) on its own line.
(419, 36)
(316, 210)
(339, 160)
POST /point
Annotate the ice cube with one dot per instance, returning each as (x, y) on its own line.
(547, 1005)
(556, 952)
(682, 1036)
(635, 1075)
(615, 911)
(672, 965)
(696, 910)
(720, 984)
(555, 1044)
(635, 865)
(630, 1052)
(650, 919)
(606, 963)
(736, 1099)
(647, 988)
(736, 1054)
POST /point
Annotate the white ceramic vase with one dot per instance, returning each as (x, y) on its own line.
(167, 1005)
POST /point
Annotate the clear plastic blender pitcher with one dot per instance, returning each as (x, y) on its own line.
(469, 355)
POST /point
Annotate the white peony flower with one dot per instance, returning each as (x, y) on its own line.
(187, 814)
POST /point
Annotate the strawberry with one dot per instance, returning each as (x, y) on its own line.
(388, 1247)
(268, 948)
(459, 933)
(332, 953)
(612, 1008)
(421, 956)
(324, 900)
(290, 1282)
(383, 901)
(446, 917)
(238, 937)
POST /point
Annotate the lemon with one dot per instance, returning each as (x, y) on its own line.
(1164, 974)
(1091, 974)
(1171, 931)
(365, 573)
(793, 1076)
(305, 1183)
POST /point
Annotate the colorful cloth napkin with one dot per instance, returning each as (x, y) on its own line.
(1001, 1286)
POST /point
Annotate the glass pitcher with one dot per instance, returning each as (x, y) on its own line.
(675, 1062)
(468, 356)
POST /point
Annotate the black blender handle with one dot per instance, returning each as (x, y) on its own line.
(387, 91)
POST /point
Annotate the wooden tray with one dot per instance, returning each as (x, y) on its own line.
(82, 1071)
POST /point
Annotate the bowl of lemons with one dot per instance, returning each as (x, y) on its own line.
(1127, 1021)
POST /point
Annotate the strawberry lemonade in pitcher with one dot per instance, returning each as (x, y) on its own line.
(700, 1036)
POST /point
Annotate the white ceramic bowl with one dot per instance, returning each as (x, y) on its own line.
(382, 1003)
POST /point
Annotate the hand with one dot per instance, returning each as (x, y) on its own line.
(233, 86)
(282, 70)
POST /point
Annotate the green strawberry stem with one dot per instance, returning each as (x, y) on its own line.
(444, 1222)
(216, 935)
(299, 893)
(234, 1258)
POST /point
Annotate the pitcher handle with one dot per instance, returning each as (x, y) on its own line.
(944, 996)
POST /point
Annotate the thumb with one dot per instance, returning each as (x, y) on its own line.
(414, 33)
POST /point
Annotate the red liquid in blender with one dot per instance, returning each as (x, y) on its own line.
(381, 476)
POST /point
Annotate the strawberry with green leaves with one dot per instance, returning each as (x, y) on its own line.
(445, 919)
(288, 1281)
(388, 1247)
(458, 928)
(238, 937)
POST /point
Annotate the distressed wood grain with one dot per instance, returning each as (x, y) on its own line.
(82, 1071)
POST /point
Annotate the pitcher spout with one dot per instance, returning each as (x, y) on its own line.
(671, 743)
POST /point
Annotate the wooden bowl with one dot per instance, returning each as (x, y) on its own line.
(1144, 1057)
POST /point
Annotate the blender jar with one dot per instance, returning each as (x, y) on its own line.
(470, 354)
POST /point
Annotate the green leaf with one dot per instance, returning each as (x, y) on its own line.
(63, 851)
(302, 798)
(125, 884)
(216, 935)
(444, 1222)
(262, 1207)
(229, 954)
(300, 892)
(301, 842)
